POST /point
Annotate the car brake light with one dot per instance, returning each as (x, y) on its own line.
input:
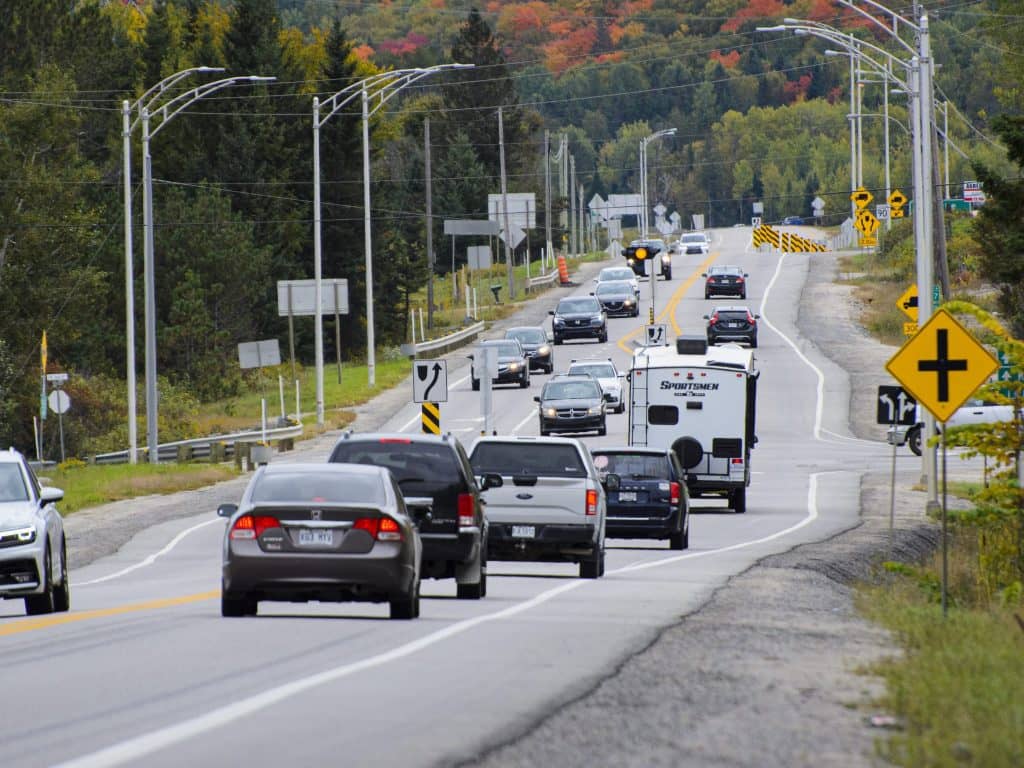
(713, 320)
(591, 502)
(674, 493)
(739, 279)
(467, 510)
(402, 440)
(380, 528)
(249, 527)
(750, 319)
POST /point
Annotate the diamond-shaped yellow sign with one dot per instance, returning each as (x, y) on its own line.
(907, 303)
(861, 197)
(866, 222)
(897, 199)
(942, 365)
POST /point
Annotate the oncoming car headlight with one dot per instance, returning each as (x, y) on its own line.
(627, 302)
(513, 367)
(550, 413)
(665, 259)
(544, 350)
(595, 410)
(18, 536)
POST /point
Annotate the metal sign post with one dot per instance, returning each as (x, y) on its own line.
(895, 407)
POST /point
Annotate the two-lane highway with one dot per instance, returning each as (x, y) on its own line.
(144, 671)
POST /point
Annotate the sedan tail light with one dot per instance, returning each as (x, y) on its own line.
(739, 279)
(252, 527)
(750, 319)
(674, 493)
(467, 510)
(591, 502)
(713, 320)
(380, 528)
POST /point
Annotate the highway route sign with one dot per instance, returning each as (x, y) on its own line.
(430, 381)
(942, 365)
(882, 212)
(656, 335)
(907, 303)
(862, 198)
(895, 406)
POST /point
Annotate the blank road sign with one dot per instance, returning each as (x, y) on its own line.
(259, 354)
(303, 297)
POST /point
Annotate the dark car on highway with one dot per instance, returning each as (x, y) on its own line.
(734, 323)
(536, 345)
(513, 365)
(579, 317)
(332, 533)
(617, 298)
(442, 495)
(650, 500)
(790, 220)
(572, 404)
(725, 280)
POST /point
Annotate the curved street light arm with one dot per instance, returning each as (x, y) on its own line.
(894, 30)
(175, 106)
(330, 105)
(824, 31)
(149, 97)
(859, 54)
(388, 90)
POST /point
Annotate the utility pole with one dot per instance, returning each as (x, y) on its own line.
(504, 207)
(430, 225)
(582, 227)
(549, 253)
(572, 205)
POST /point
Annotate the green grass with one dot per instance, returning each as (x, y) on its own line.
(90, 485)
(958, 685)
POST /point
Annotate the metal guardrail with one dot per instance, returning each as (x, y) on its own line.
(200, 446)
(547, 279)
(445, 342)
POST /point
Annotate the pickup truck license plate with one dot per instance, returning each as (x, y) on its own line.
(523, 531)
(316, 537)
(627, 496)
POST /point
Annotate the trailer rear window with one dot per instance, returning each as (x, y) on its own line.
(662, 415)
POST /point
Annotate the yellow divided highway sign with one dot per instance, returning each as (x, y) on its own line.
(866, 222)
(907, 303)
(942, 365)
(431, 418)
(862, 197)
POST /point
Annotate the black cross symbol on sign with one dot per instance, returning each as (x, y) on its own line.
(942, 365)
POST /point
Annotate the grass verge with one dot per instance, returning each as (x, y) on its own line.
(87, 485)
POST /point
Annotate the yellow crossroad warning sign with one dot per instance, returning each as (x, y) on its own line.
(431, 417)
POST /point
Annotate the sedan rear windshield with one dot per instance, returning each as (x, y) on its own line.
(12, 484)
(633, 466)
(416, 466)
(600, 370)
(531, 336)
(616, 273)
(550, 460)
(336, 487)
(570, 306)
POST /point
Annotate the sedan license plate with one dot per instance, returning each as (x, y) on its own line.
(627, 496)
(523, 531)
(316, 537)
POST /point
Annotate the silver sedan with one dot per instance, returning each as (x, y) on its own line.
(327, 532)
(33, 551)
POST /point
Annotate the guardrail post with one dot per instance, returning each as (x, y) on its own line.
(243, 460)
(218, 452)
(184, 453)
(285, 444)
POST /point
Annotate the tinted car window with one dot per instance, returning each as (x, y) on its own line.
(664, 415)
(507, 350)
(417, 467)
(693, 239)
(615, 273)
(330, 486)
(569, 306)
(529, 336)
(527, 459)
(634, 466)
(730, 315)
(571, 390)
(601, 370)
(614, 289)
(12, 484)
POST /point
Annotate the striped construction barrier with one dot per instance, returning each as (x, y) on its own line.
(787, 242)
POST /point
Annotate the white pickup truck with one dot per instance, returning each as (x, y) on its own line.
(551, 506)
(974, 411)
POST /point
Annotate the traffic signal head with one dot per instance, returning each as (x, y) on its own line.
(641, 253)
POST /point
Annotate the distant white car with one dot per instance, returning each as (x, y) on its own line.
(607, 375)
(693, 242)
(614, 274)
(974, 411)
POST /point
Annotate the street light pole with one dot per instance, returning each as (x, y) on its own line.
(643, 197)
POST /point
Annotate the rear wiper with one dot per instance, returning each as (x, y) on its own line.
(412, 480)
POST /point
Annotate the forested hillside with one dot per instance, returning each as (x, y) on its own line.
(758, 116)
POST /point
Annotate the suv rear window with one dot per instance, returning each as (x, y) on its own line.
(634, 466)
(552, 460)
(417, 467)
(732, 316)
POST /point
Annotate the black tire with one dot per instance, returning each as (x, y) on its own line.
(738, 501)
(408, 605)
(558, 339)
(676, 541)
(476, 590)
(524, 382)
(550, 368)
(62, 594)
(235, 605)
(37, 605)
(668, 275)
(743, 295)
(476, 385)
(707, 295)
(753, 342)
(544, 432)
(602, 430)
(914, 440)
(593, 566)
(603, 338)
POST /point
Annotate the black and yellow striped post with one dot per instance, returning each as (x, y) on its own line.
(431, 417)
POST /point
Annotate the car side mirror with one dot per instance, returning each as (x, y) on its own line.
(707, 317)
(491, 480)
(607, 397)
(611, 482)
(591, 293)
(703, 274)
(757, 317)
(745, 274)
(551, 311)
(226, 510)
(50, 495)
(536, 398)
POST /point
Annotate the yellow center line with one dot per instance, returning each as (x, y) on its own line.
(670, 308)
(53, 620)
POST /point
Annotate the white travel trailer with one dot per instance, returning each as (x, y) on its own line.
(699, 402)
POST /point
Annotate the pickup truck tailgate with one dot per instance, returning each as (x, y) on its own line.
(542, 500)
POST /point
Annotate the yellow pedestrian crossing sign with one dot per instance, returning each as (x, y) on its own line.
(907, 303)
(942, 365)
(862, 197)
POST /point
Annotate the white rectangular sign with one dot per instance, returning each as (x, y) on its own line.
(259, 354)
(430, 381)
(479, 256)
(522, 210)
(303, 297)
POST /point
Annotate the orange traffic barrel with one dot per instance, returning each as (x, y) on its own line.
(563, 271)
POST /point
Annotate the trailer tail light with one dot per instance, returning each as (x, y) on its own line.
(250, 527)
(737, 461)
(467, 509)
(674, 493)
(591, 502)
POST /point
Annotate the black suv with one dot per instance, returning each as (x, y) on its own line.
(579, 317)
(725, 280)
(441, 494)
(735, 323)
(572, 404)
(650, 500)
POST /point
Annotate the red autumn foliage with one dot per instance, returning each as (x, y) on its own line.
(756, 9)
(728, 60)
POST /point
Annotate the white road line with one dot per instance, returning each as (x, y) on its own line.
(151, 559)
(819, 406)
(523, 423)
(139, 747)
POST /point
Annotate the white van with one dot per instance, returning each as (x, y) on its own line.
(699, 402)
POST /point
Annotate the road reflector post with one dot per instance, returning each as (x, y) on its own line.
(431, 418)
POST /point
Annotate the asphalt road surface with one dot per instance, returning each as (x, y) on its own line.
(144, 671)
